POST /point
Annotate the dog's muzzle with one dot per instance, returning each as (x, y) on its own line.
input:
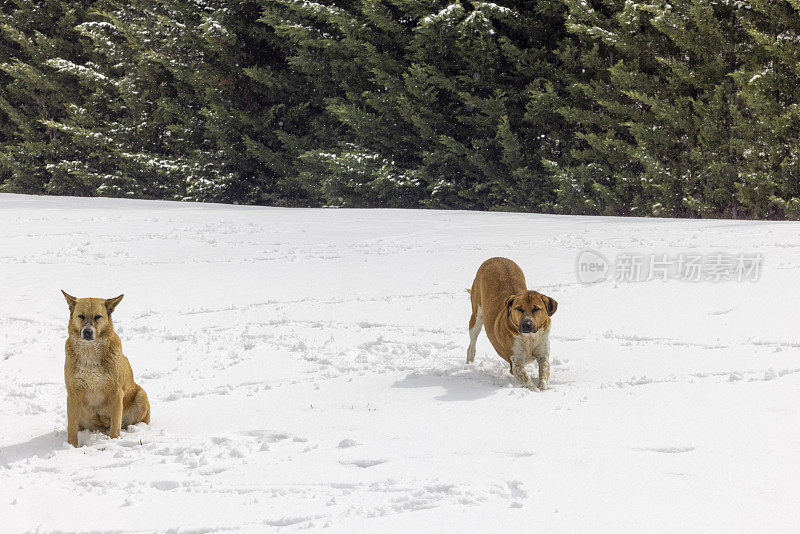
(527, 327)
(87, 333)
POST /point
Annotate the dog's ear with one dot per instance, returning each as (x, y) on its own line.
(112, 303)
(70, 300)
(550, 304)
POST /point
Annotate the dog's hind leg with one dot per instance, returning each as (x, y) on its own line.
(475, 325)
(139, 410)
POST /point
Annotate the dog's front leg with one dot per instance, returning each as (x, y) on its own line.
(74, 402)
(542, 355)
(518, 370)
(544, 372)
(115, 411)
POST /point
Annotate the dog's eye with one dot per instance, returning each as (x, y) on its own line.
(81, 316)
(96, 317)
(536, 308)
(519, 309)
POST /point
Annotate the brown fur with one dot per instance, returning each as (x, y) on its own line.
(501, 301)
(101, 393)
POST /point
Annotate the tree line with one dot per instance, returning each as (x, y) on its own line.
(685, 108)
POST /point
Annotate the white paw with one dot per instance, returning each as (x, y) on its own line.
(470, 355)
(543, 385)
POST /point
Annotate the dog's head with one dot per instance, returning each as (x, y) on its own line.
(90, 319)
(530, 311)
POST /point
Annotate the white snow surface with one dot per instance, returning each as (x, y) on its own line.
(306, 370)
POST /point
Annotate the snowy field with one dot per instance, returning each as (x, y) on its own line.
(306, 370)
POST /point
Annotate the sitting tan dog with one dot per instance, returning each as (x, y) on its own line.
(101, 393)
(517, 320)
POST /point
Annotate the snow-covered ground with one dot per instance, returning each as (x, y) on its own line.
(306, 369)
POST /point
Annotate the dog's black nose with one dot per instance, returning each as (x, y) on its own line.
(527, 327)
(87, 335)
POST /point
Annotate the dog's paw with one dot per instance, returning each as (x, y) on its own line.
(470, 356)
(530, 386)
(543, 385)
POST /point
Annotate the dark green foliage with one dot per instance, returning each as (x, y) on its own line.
(769, 129)
(431, 100)
(31, 33)
(171, 99)
(661, 139)
(684, 108)
(157, 100)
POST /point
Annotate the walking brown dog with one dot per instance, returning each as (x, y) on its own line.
(101, 393)
(517, 320)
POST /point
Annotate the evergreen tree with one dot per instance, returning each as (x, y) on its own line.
(680, 108)
(668, 107)
(32, 92)
(140, 131)
(352, 58)
(432, 104)
(593, 171)
(473, 68)
(180, 106)
(769, 127)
